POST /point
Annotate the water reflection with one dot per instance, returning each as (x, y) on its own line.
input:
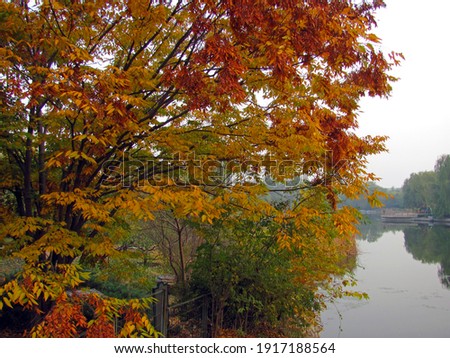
(430, 245)
(373, 228)
(405, 270)
(427, 244)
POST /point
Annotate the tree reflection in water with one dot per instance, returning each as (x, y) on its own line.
(427, 244)
(372, 228)
(430, 244)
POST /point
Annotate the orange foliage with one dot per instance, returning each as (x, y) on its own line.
(92, 316)
(133, 107)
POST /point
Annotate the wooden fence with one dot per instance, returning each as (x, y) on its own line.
(197, 309)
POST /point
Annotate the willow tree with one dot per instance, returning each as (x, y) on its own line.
(141, 106)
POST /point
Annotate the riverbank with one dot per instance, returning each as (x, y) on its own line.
(411, 216)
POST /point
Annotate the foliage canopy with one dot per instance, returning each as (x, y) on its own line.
(136, 107)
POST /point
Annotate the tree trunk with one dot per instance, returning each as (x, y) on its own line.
(27, 185)
(181, 253)
(41, 165)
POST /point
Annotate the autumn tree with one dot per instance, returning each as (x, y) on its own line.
(142, 106)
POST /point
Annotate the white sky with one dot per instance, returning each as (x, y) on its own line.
(417, 115)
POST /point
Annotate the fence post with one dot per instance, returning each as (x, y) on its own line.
(160, 308)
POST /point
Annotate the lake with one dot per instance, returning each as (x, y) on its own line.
(405, 270)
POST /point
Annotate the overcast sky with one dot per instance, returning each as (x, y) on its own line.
(417, 115)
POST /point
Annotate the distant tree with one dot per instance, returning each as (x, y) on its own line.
(419, 189)
(391, 198)
(430, 189)
(442, 187)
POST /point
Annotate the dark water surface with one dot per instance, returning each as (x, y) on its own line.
(406, 272)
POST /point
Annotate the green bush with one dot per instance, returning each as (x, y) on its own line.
(249, 277)
(123, 278)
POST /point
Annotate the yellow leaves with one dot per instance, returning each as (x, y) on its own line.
(19, 227)
(373, 38)
(89, 208)
(189, 201)
(7, 302)
(18, 294)
(110, 109)
(37, 291)
(62, 158)
(53, 241)
(196, 204)
(91, 138)
(205, 218)
(60, 198)
(128, 330)
(151, 13)
(357, 295)
(75, 154)
(137, 323)
(374, 198)
(133, 203)
(41, 283)
(8, 58)
(104, 248)
(77, 54)
(54, 161)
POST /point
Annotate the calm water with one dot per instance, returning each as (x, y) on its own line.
(406, 272)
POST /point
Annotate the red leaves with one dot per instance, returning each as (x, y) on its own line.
(79, 314)
(65, 320)
(102, 327)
